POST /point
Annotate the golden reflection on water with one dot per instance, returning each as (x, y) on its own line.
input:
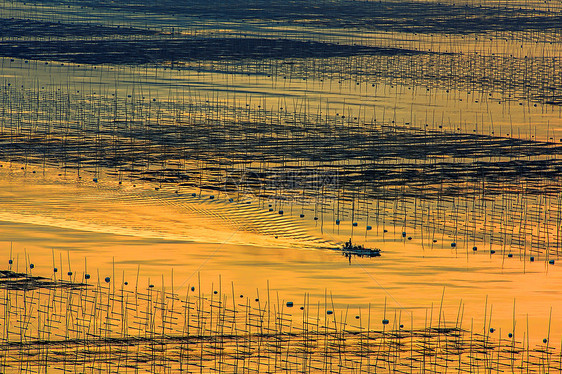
(121, 230)
(109, 229)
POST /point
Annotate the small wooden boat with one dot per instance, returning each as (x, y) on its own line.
(349, 249)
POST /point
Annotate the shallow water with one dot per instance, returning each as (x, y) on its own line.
(115, 229)
(121, 169)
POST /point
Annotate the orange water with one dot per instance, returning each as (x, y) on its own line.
(119, 230)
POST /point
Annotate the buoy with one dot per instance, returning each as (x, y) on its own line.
(509, 255)
(453, 245)
(280, 212)
(532, 259)
(215, 292)
(10, 262)
(107, 279)
(126, 283)
(474, 248)
(337, 222)
(551, 262)
(510, 335)
(316, 218)
(301, 308)
(492, 251)
(355, 224)
(192, 288)
(87, 276)
(385, 322)
(356, 317)
(211, 197)
(31, 266)
(150, 286)
(95, 180)
(194, 194)
(545, 340)
(404, 234)
(409, 238)
(230, 200)
(492, 329)
(271, 209)
(55, 270)
(385, 230)
(257, 299)
(329, 312)
(302, 216)
(369, 228)
(435, 240)
(69, 273)
(401, 326)
(289, 304)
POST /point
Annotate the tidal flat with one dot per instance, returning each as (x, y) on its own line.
(178, 182)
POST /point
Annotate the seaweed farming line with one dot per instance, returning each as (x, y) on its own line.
(129, 88)
(519, 226)
(198, 145)
(524, 227)
(495, 79)
(500, 76)
(414, 16)
(439, 56)
(148, 135)
(508, 64)
(102, 326)
(387, 160)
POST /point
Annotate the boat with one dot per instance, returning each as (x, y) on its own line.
(349, 249)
